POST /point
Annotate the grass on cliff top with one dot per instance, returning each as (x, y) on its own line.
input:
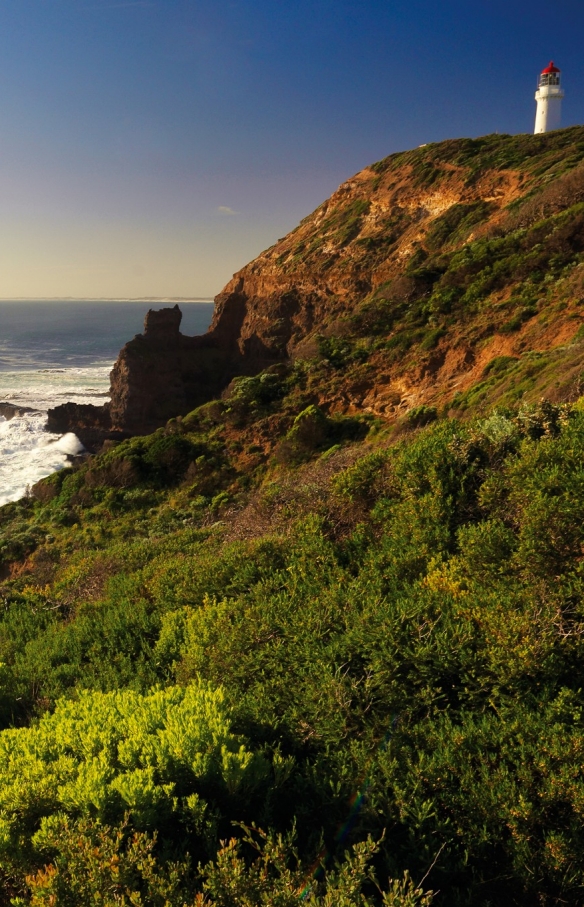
(550, 154)
(474, 273)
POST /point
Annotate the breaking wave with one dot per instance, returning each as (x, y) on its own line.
(27, 451)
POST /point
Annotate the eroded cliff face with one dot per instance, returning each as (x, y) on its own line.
(359, 239)
(431, 260)
(388, 239)
(159, 374)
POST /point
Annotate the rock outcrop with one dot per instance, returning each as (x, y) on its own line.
(10, 410)
(159, 374)
(91, 424)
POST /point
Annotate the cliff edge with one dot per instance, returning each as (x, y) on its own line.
(424, 268)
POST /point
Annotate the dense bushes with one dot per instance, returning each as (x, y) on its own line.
(157, 759)
(403, 661)
(312, 430)
(161, 459)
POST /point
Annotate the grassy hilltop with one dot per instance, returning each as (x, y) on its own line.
(446, 276)
(321, 640)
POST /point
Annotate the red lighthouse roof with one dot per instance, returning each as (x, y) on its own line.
(549, 69)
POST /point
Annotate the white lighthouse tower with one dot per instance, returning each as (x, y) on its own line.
(549, 100)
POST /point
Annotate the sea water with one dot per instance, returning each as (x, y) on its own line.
(59, 351)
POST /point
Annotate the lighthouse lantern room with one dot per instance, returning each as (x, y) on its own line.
(549, 100)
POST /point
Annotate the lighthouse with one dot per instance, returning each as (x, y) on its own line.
(549, 100)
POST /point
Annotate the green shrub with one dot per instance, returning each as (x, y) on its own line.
(313, 430)
(365, 479)
(259, 390)
(499, 364)
(432, 338)
(422, 415)
(168, 457)
(99, 864)
(277, 876)
(151, 757)
(340, 352)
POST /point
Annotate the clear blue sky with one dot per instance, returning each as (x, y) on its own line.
(153, 148)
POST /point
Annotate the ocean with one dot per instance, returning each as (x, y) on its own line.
(55, 351)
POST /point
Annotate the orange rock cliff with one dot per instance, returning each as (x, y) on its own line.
(434, 253)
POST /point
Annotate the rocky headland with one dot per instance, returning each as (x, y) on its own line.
(431, 264)
(159, 374)
(357, 571)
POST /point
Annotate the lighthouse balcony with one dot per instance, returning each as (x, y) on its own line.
(549, 91)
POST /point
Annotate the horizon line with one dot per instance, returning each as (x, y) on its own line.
(107, 298)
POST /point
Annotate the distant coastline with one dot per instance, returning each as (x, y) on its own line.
(107, 299)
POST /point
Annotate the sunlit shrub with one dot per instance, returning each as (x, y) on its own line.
(153, 757)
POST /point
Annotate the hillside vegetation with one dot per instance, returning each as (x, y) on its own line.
(295, 648)
(425, 269)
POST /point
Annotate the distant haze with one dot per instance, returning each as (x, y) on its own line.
(152, 148)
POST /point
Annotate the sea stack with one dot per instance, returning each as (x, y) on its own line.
(159, 374)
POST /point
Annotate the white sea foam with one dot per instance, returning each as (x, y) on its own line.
(48, 387)
(27, 451)
(53, 351)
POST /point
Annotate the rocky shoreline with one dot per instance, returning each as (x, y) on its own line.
(10, 410)
(159, 374)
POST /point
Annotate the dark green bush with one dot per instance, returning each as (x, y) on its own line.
(340, 352)
(422, 415)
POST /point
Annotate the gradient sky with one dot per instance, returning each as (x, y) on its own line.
(153, 147)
